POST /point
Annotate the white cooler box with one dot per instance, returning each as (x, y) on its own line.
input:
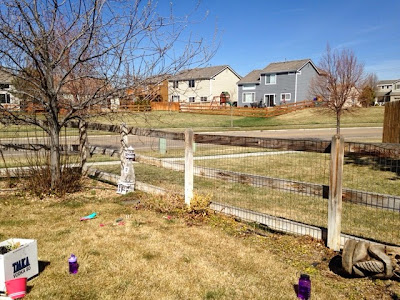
(21, 262)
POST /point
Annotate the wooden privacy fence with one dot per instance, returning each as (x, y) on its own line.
(166, 106)
(391, 123)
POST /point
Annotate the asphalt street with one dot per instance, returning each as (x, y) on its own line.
(350, 134)
(373, 134)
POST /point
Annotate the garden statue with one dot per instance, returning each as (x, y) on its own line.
(364, 259)
(126, 182)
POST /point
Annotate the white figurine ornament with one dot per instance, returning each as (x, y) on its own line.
(126, 183)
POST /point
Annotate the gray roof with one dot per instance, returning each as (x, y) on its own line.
(201, 73)
(285, 66)
(252, 77)
(156, 79)
(389, 81)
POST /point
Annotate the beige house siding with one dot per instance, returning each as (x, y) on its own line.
(201, 89)
(210, 87)
(225, 82)
(15, 102)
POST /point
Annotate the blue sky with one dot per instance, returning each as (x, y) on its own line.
(254, 33)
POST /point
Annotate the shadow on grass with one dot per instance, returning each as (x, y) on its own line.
(335, 265)
(376, 163)
(43, 265)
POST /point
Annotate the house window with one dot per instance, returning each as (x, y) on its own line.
(285, 97)
(5, 98)
(270, 79)
(398, 86)
(175, 84)
(191, 99)
(203, 98)
(4, 86)
(248, 97)
(175, 98)
(191, 83)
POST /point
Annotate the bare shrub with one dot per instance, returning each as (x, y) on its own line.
(38, 175)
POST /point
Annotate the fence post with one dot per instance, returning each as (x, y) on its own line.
(83, 143)
(189, 140)
(335, 193)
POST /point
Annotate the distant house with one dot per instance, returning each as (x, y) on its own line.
(7, 99)
(154, 88)
(387, 91)
(203, 84)
(277, 83)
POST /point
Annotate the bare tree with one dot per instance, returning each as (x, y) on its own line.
(69, 55)
(341, 78)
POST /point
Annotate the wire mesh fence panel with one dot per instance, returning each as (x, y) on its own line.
(23, 145)
(285, 184)
(371, 192)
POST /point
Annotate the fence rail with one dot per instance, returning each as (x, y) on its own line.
(254, 111)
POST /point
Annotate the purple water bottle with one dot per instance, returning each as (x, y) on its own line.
(304, 289)
(73, 264)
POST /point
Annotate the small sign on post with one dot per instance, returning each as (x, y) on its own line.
(163, 146)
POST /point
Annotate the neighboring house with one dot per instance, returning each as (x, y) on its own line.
(387, 91)
(154, 88)
(7, 99)
(352, 99)
(278, 83)
(203, 84)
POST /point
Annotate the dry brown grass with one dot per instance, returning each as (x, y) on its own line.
(165, 252)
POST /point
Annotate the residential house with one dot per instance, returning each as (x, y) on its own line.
(387, 91)
(278, 83)
(203, 84)
(7, 99)
(154, 88)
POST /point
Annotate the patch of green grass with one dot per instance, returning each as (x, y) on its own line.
(214, 294)
(307, 118)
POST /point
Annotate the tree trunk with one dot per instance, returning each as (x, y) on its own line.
(338, 123)
(83, 144)
(55, 158)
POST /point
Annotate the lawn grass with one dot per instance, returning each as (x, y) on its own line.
(307, 118)
(185, 256)
(367, 222)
